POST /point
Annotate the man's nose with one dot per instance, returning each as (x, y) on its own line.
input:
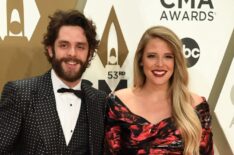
(72, 51)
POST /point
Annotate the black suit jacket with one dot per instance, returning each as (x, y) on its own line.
(29, 121)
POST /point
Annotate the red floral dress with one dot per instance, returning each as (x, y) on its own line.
(129, 134)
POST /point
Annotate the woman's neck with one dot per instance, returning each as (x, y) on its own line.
(158, 93)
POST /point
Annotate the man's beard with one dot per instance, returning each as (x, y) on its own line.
(66, 75)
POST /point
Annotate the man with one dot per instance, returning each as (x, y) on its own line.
(43, 115)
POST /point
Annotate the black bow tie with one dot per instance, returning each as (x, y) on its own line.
(78, 93)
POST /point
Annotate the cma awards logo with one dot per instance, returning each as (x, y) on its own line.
(13, 18)
(187, 10)
(232, 99)
(112, 53)
(191, 51)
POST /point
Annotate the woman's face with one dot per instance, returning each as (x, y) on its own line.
(158, 62)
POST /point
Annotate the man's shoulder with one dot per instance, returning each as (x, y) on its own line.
(87, 86)
(29, 82)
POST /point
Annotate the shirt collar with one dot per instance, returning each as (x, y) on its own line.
(58, 83)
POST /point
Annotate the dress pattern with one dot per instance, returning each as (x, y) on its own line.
(129, 134)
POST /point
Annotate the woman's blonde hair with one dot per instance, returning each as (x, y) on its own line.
(183, 113)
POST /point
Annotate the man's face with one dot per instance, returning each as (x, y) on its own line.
(70, 54)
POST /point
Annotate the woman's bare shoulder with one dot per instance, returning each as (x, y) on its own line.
(122, 93)
(197, 99)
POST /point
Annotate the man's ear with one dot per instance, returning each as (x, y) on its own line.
(89, 57)
(50, 51)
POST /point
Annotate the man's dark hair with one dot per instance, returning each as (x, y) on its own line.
(70, 18)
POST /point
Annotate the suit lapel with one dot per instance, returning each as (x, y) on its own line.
(95, 117)
(45, 109)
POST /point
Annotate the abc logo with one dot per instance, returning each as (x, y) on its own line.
(191, 51)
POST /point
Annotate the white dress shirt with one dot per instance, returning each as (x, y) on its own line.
(68, 106)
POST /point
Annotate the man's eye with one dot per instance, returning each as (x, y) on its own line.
(63, 45)
(81, 47)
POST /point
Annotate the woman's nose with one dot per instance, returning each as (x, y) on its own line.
(159, 62)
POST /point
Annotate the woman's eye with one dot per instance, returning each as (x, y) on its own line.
(169, 56)
(151, 56)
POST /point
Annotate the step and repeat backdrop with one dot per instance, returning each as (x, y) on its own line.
(204, 26)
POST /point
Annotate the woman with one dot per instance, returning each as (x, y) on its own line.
(159, 115)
